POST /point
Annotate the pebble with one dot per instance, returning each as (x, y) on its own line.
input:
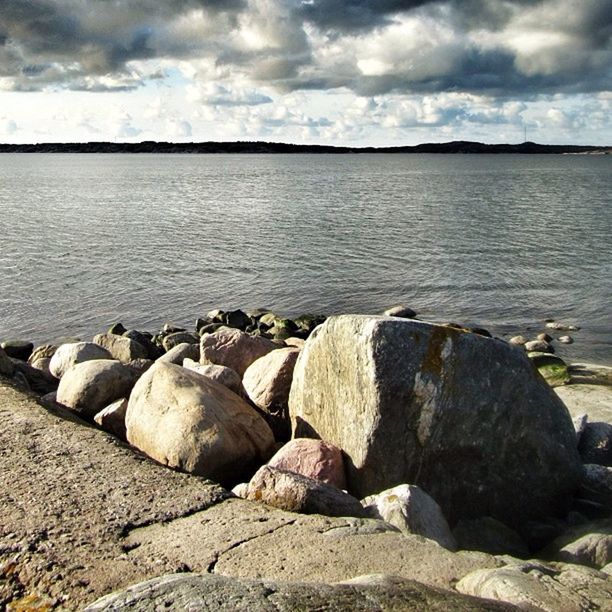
(566, 340)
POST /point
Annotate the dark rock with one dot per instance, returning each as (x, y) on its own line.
(400, 311)
(236, 319)
(39, 381)
(18, 349)
(210, 328)
(182, 351)
(6, 365)
(488, 535)
(175, 338)
(595, 444)
(596, 487)
(153, 351)
(117, 329)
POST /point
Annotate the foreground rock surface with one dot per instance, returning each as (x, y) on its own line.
(205, 592)
(593, 400)
(186, 421)
(463, 416)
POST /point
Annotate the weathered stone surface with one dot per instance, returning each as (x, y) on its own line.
(488, 535)
(42, 364)
(221, 374)
(69, 495)
(139, 366)
(591, 374)
(463, 416)
(179, 337)
(177, 354)
(411, 510)
(112, 418)
(538, 346)
(233, 348)
(296, 342)
(39, 381)
(534, 586)
(594, 400)
(6, 365)
(580, 422)
(121, 348)
(186, 421)
(72, 353)
(518, 340)
(18, 349)
(90, 386)
(595, 444)
(241, 490)
(552, 368)
(206, 592)
(44, 351)
(589, 544)
(242, 538)
(153, 350)
(312, 458)
(296, 493)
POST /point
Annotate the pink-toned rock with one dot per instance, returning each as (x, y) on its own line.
(267, 380)
(233, 348)
(221, 374)
(313, 458)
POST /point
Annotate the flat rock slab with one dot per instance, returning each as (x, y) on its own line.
(593, 400)
(248, 540)
(197, 592)
(69, 493)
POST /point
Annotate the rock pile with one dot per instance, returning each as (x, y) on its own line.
(441, 431)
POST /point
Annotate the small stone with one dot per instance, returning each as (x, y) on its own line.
(538, 346)
(544, 337)
(180, 337)
(45, 351)
(121, 348)
(566, 340)
(177, 354)
(580, 422)
(561, 326)
(241, 490)
(297, 493)
(18, 349)
(518, 340)
(112, 418)
(117, 328)
(400, 311)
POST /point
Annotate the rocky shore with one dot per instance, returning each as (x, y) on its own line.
(258, 462)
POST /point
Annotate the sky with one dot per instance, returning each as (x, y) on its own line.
(340, 72)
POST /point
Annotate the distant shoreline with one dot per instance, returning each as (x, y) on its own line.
(456, 147)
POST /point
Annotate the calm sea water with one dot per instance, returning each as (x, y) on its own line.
(498, 241)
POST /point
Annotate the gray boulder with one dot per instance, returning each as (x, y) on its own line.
(233, 348)
(296, 493)
(400, 311)
(179, 337)
(596, 487)
(112, 418)
(535, 586)
(488, 535)
(595, 444)
(189, 422)
(221, 374)
(90, 386)
(121, 348)
(461, 415)
(208, 592)
(6, 365)
(177, 354)
(411, 510)
(17, 349)
(72, 353)
(589, 544)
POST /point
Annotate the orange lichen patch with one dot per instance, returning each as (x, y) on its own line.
(433, 362)
(29, 603)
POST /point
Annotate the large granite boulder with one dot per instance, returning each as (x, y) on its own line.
(296, 493)
(465, 417)
(90, 386)
(224, 593)
(221, 374)
(121, 348)
(177, 354)
(411, 510)
(312, 458)
(71, 353)
(187, 421)
(233, 348)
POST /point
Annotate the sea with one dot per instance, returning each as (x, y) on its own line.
(502, 242)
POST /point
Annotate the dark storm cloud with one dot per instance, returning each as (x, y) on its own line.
(89, 44)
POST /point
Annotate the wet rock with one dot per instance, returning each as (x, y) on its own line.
(412, 402)
(535, 586)
(112, 418)
(233, 348)
(68, 355)
(180, 352)
(538, 346)
(556, 325)
(544, 337)
(17, 349)
(121, 348)
(186, 421)
(589, 545)
(518, 340)
(236, 319)
(267, 382)
(224, 376)
(596, 487)
(411, 510)
(175, 338)
(223, 593)
(488, 535)
(90, 386)
(117, 328)
(595, 444)
(312, 458)
(6, 365)
(566, 340)
(296, 493)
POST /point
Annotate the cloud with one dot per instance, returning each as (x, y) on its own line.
(215, 94)
(8, 127)
(505, 48)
